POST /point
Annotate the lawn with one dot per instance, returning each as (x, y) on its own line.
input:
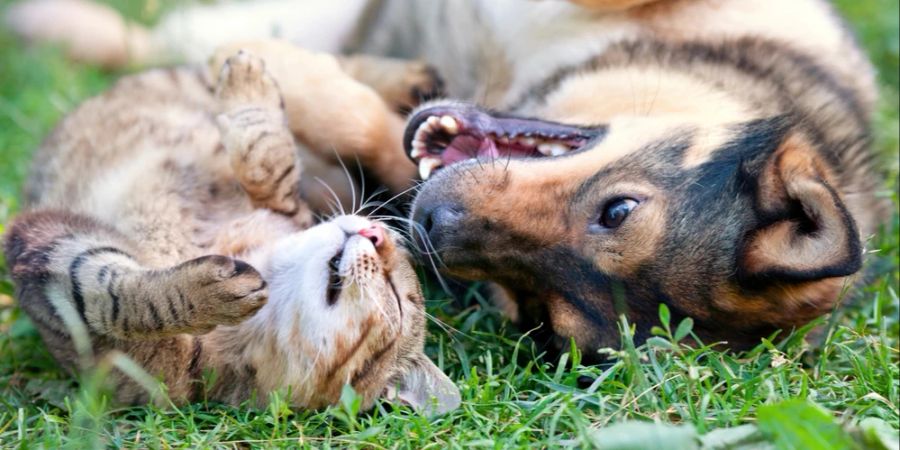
(831, 385)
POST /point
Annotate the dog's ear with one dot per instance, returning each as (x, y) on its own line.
(805, 232)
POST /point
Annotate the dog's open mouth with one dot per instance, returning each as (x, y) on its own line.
(439, 136)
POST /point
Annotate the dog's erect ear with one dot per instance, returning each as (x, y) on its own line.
(427, 389)
(807, 233)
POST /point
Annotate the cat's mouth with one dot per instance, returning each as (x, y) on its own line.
(335, 281)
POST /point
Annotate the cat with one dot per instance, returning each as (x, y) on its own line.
(163, 220)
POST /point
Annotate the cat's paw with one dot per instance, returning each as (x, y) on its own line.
(254, 130)
(222, 290)
(244, 81)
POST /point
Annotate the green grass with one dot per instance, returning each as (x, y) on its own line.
(511, 396)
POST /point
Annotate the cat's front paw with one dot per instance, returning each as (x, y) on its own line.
(222, 290)
(244, 81)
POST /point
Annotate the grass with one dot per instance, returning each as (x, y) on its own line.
(512, 396)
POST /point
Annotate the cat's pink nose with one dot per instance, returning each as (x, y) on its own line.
(374, 233)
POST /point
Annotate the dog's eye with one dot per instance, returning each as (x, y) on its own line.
(615, 212)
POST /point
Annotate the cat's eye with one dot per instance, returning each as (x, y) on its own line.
(616, 211)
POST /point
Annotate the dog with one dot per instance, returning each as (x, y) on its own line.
(602, 157)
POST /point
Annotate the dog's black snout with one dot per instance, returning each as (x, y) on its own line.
(437, 222)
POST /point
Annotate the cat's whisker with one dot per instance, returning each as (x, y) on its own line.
(337, 200)
(350, 180)
(400, 235)
(415, 226)
(398, 195)
(370, 202)
(430, 252)
(446, 328)
(362, 189)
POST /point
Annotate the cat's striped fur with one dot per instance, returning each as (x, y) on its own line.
(142, 208)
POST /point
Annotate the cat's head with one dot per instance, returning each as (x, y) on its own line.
(349, 309)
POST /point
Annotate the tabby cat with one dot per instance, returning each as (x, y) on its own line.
(142, 208)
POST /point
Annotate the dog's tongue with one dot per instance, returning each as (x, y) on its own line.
(466, 147)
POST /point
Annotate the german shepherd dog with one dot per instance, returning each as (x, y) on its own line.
(603, 157)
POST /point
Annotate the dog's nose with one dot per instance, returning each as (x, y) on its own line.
(437, 221)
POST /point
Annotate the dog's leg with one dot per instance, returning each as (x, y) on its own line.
(332, 113)
(402, 84)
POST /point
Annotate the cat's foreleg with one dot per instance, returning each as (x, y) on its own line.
(255, 132)
(335, 115)
(73, 273)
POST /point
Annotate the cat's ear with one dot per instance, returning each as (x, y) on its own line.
(427, 389)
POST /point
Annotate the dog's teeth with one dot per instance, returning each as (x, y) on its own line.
(427, 165)
(552, 148)
(558, 149)
(433, 122)
(419, 141)
(449, 124)
(529, 141)
(418, 150)
(422, 132)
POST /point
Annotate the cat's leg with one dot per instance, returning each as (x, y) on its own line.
(403, 84)
(332, 113)
(254, 131)
(83, 285)
(73, 272)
